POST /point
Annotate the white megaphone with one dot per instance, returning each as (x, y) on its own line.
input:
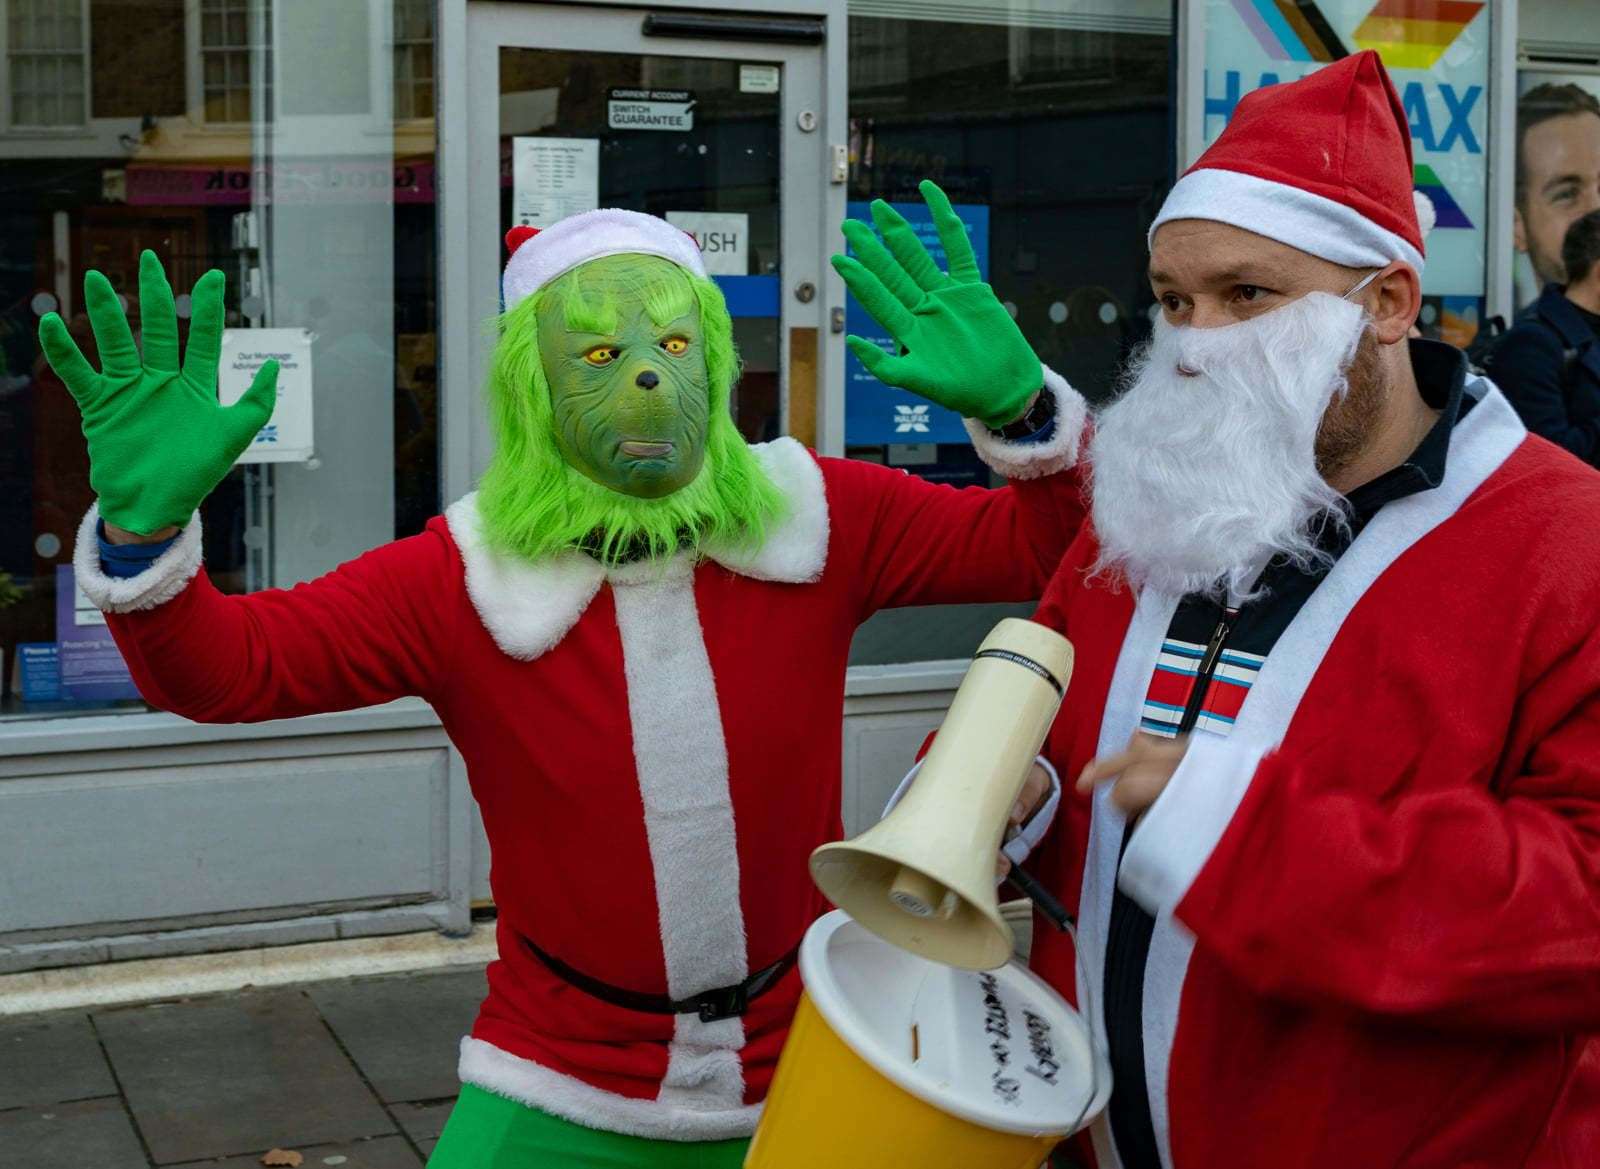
(923, 879)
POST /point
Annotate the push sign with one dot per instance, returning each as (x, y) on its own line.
(723, 238)
(650, 109)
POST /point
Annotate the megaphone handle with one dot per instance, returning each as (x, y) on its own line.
(1054, 912)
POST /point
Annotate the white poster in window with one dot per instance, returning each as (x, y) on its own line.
(287, 436)
(758, 78)
(552, 178)
(723, 238)
(650, 109)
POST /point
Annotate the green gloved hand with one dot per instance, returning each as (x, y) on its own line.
(159, 441)
(960, 348)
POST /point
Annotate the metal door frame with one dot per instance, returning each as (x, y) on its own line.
(470, 33)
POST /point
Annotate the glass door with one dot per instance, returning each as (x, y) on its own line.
(576, 108)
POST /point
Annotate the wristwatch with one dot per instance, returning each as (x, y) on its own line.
(1039, 415)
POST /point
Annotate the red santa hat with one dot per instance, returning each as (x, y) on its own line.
(1322, 164)
(539, 256)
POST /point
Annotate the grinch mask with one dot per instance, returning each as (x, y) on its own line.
(625, 359)
(609, 400)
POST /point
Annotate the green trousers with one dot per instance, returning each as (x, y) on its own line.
(486, 1131)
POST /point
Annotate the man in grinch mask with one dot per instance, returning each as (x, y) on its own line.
(635, 632)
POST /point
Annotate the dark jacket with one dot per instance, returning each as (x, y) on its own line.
(1548, 365)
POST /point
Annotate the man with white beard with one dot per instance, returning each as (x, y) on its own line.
(1335, 710)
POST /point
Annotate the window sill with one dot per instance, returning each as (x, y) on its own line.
(47, 735)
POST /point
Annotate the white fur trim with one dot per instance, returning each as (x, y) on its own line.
(1479, 445)
(526, 607)
(167, 576)
(681, 760)
(1427, 213)
(1141, 645)
(796, 550)
(485, 1066)
(529, 607)
(1136, 661)
(577, 239)
(1291, 215)
(1178, 832)
(1034, 460)
(704, 1071)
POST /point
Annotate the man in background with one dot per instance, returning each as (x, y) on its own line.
(1548, 365)
(1558, 171)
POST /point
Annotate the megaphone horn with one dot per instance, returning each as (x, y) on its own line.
(923, 878)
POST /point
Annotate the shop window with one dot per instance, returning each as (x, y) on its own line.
(227, 42)
(413, 59)
(47, 48)
(1048, 124)
(325, 230)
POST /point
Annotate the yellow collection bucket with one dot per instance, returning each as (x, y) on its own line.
(894, 1061)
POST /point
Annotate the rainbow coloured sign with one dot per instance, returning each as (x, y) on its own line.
(1437, 53)
(1413, 34)
(1407, 34)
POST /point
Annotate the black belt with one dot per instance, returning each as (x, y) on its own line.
(724, 1002)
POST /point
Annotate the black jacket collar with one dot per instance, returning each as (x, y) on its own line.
(1441, 373)
(1562, 315)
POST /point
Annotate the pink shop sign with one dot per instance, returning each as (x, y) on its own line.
(346, 181)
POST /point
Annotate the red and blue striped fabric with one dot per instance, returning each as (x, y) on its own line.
(1173, 682)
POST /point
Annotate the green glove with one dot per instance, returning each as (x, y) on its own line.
(159, 441)
(959, 346)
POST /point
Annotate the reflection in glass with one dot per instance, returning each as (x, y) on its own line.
(328, 223)
(725, 163)
(1063, 133)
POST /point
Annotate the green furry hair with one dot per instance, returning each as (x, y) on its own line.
(534, 504)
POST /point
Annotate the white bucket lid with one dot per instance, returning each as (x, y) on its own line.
(997, 1048)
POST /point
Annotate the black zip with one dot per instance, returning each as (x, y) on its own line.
(1208, 667)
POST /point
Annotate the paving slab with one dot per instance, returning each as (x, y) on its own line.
(380, 1153)
(90, 1134)
(49, 1059)
(423, 1122)
(404, 1032)
(224, 1077)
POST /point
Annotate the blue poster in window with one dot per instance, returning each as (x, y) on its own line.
(39, 671)
(92, 669)
(873, 412)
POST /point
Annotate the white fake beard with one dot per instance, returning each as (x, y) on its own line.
(1199, 481)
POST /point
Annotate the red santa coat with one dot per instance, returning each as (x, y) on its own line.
(655, 749)
(1377, 901)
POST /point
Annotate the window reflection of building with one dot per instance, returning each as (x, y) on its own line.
(413, 59)
(127, 124)
(227, 41)
(47, 49)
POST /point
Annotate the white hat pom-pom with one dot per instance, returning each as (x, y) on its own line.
(1426, 216)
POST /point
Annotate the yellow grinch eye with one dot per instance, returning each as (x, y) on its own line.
(676, 345)
(602, 355)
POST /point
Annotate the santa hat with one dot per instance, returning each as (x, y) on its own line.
(1322, 164)
(539, 256)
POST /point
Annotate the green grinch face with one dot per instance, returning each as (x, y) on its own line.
(623, 352)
